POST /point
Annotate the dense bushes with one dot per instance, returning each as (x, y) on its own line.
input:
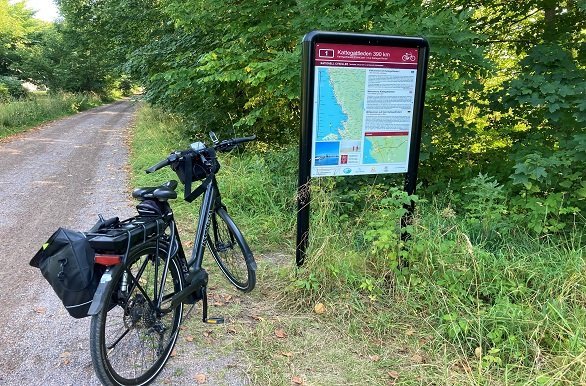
(11, 88)
(236, 67)
(500, 103)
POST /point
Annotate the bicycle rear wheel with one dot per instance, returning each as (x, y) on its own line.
(231, 251)
(130, 340)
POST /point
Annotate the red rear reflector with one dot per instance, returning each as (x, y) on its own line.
(108, 260)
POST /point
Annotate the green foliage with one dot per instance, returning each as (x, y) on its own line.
(549, 90)
(98, 37)
(515, 302)
(506, 298)
(384, 226)
(485, 205)
(67, 62)
(506, 80)
(10, 87)
(21, 37)
(256, 185)
(505, 301)
(529, 107)
(17, 27)
(81, 53)
(235, 68)
(551, 185)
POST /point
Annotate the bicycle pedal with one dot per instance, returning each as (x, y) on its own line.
(214, 321)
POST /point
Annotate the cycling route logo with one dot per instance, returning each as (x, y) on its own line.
(408, 57)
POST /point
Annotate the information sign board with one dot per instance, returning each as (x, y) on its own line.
(362, 104)
(363, 108)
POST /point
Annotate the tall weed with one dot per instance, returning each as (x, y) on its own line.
(512, 303)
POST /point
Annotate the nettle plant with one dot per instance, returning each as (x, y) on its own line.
(384, 231)
(485, 203)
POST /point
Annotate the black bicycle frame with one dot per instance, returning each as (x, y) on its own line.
(197, 277)
(202, 225)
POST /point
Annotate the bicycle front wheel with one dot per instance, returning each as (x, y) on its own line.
(131, 339)
(231, 251)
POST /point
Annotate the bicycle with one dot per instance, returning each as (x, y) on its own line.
(147, 279)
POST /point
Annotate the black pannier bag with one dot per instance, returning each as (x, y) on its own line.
(66, 261)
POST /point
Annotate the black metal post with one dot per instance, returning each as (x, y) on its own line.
(414, 151)
(303, 185)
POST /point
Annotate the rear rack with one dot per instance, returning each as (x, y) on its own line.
(124, 235)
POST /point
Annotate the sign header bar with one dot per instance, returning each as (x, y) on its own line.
(352, 55)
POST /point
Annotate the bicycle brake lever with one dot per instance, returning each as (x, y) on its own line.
(214, 137)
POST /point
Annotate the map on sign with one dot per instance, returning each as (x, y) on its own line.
(363, 109)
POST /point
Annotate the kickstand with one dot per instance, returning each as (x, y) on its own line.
(205, 318)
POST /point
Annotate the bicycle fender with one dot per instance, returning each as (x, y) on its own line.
(99, 297)
(250, 260)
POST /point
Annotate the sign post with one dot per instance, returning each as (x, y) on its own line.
(362, 104)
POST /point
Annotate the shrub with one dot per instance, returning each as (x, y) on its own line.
(11, 87)
(550, 185)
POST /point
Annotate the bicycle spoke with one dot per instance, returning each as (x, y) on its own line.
(118, 340)
(142, 291)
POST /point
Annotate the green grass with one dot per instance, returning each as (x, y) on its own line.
(477, 304)
(18, 115)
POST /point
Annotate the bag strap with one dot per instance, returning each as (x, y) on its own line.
(188, 176)
(200, 189)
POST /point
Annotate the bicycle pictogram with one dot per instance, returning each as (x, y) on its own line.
(408, 57)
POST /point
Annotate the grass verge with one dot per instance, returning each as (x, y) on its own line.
(18, 115)
(474, 305)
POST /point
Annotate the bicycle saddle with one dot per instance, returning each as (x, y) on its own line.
(163, 192)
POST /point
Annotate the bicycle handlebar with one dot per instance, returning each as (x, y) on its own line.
(223, 146)
(229, 144)
(159, 165)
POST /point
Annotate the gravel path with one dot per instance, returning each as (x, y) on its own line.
(63, 174)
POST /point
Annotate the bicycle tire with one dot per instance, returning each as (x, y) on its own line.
(231, 252)
(130, 342)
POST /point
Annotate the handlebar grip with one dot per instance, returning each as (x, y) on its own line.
(230, 144)
(159, 165)
(236, 141)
